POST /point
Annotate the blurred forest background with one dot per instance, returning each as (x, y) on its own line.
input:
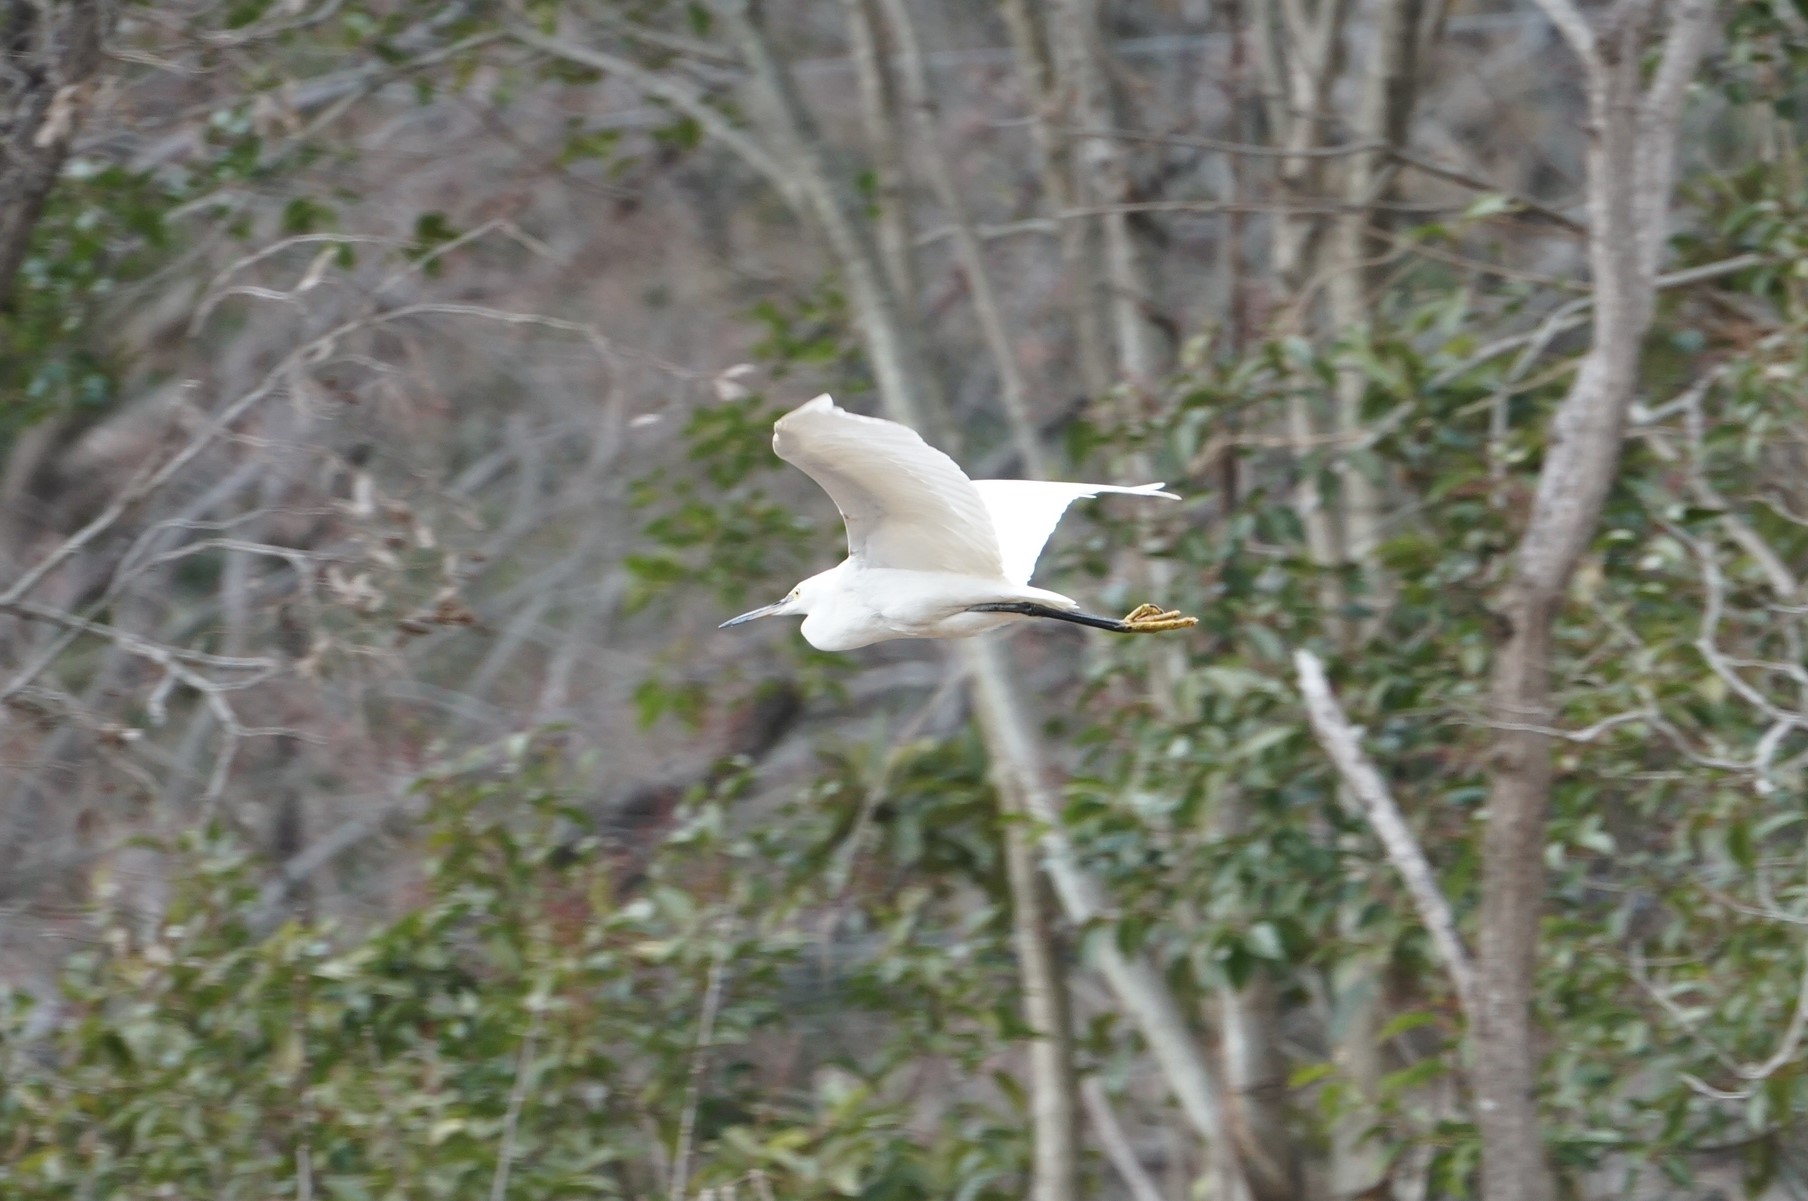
(385, 403)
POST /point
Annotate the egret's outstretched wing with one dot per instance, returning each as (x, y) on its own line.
(906, 504)
(1025, 512)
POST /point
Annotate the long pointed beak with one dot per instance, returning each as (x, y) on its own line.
(762, 611)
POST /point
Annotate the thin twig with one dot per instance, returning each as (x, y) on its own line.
(1457, 175)
(680, 95)
(511, 1119)
(693, 1088)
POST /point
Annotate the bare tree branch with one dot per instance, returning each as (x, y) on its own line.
(1344, 746)
(1575, 30)
(1116, 1143)
(1013, 395)
(681, 96)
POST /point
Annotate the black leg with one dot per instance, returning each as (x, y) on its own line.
(1145, 619)
(1032, 609)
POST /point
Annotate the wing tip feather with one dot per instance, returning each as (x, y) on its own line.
(1155, 489)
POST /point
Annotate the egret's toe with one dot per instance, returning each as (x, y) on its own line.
(1153, 619)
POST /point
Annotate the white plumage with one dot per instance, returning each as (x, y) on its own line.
(1025, 512)
(931, 553)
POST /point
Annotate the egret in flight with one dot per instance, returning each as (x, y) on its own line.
(931, 553)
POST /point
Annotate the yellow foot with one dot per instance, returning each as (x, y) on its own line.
(1153, 619)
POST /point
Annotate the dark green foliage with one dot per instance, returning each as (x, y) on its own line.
(521, 1002)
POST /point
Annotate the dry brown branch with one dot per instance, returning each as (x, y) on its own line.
(1467, 179)
(1575, 312)
(1223, 145)
(308, 354)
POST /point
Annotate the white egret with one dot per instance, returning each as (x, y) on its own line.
(931, 553)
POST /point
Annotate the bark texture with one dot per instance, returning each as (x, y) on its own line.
(49, 55)
(1050, 103)
(1106, 172)
(1630, 160)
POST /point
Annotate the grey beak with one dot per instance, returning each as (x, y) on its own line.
(762, 611)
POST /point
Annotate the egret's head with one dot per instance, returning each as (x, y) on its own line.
(797, 602)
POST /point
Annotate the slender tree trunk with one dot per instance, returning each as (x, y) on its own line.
(1630, 159)
(1055, 1174)
(1018, 762)
(878, 101)
(1079, 256)
(50, 51)
(1055, 1168)
(1106, 172)
(1297, 73)
(1116, 1142)
(1138, 987)
(1013, 394)
(894, 349)
(1383, 116)
(1255, 1074)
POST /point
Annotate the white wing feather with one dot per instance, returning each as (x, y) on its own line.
(1025, 512)
(906, 504)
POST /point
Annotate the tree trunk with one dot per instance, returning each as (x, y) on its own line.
(1013, 395)
(1106, 172)
(879, 101)
(1079, 258)
(1383, 116)
(1630, 158)
(49, 53)
(1055, 1168)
